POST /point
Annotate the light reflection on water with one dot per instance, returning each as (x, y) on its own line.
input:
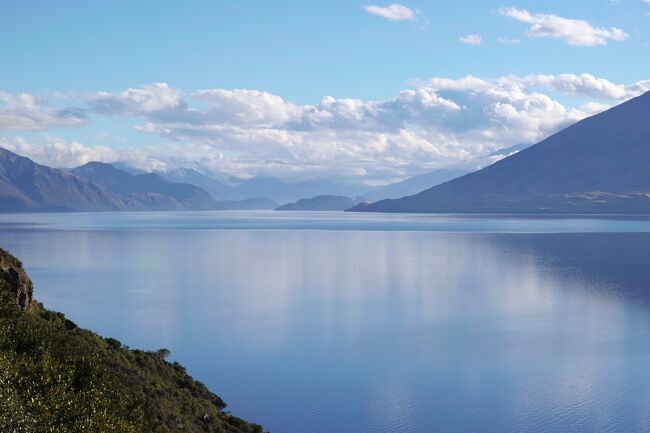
(369, 323)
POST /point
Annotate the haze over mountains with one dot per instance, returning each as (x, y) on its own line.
(598, 165)
(26, 186)
(181, 195)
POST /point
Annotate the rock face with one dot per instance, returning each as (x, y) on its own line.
(14, 280)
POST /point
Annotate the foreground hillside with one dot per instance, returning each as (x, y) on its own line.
(598, 165)
(58, 378)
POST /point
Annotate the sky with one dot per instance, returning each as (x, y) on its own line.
(358, 90)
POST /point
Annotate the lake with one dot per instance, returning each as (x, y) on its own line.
(355, 323)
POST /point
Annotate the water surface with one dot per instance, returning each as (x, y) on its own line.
(352, 323)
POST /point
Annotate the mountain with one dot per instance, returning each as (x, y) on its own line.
(29, 187)
(598, 165)
(178, 195)
(249, 204)
(218, 189)
(321, 203)
(284, 192)
(57, 377)
(229, 188)
(415, 184)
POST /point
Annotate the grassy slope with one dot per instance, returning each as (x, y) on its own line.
(56, 377)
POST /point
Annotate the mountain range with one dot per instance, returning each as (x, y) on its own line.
(29, 187)
(177, 195)
(26, 186)
(598, 165)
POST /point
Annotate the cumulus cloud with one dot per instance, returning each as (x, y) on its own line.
(572, 31)
(586, 85)
(393, 12)
(433, 123)
(57, 152)
(471, 39)
(437, 122)
(31, 113)
(146, 99)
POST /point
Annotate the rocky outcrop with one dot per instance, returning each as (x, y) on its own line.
(14, 280)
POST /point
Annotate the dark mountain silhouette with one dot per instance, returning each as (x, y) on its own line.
(321, 203)
(117, 181)
(598, 165)
(29, 187)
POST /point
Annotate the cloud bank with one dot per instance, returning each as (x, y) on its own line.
(434, 123)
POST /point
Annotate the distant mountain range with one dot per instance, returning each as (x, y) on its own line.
(176, 195)
(598, 165)
(268, 187)
(321, 203)
(29, 187)
(26, 186)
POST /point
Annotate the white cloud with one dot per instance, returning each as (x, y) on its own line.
(251, 106)
(31, 113)
(433, 123)
(146, 99)
(586, 85)
(508, 41)
(437, 122)
(471, 39)
(393, 12)
(572, 31)
(57, 152)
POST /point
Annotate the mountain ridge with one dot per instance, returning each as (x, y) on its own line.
(597, 165)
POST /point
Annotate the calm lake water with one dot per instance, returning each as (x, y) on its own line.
(346, 323)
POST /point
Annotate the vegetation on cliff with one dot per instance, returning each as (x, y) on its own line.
(56, 377)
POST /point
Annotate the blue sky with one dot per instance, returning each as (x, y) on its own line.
(301, 52)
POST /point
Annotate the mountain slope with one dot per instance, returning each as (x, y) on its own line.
(599, 164)
(415, 184)
(179, 195)
(320, 203)
(29, 187)
(56, 377)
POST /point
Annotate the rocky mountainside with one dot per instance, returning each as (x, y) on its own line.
(598, 165)
(56, 377)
